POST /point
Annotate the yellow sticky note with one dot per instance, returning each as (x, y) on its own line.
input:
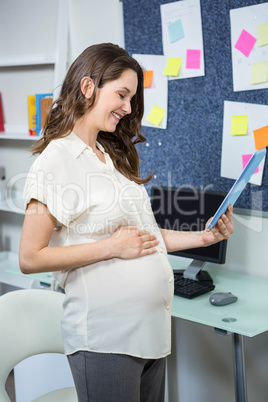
(156, 115)
(147, 78)
(259, 72)
(262, 34)
(239, 125)
(173, 66)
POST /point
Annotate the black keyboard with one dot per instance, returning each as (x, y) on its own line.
(190, 288)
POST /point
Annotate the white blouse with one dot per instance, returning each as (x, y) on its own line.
(115, 305)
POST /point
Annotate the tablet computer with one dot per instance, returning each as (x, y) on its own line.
(239, 185)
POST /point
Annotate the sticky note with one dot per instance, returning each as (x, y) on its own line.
(175, 31)
(262, 34)
(239, 125)
(245, 43)
(147, 78)
(156, 115)
(261, 137)
(193, 58)
(173, 66)
(259, 72)
(245, 159)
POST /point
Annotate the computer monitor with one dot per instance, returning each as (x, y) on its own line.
(188, 209)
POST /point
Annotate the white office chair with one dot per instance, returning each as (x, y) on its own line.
(30, 325)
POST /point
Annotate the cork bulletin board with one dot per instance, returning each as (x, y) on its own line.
(188, 151)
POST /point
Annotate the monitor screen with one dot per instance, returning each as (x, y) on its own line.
(188, 209)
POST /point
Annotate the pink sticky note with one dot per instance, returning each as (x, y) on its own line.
(245, 42)
(245, 159)
(193, 58)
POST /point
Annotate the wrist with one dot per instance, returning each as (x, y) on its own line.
(109, 249)
(204, 238)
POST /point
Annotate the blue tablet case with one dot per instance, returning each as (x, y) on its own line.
(239, 185)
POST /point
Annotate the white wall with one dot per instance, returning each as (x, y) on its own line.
(94, 22)
(247, 248)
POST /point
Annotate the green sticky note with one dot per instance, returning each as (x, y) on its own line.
(173, 66)
(239, 125)
(156, 115)
(262, 34)
(259, 72)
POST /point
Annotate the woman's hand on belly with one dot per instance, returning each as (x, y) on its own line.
(129, 242)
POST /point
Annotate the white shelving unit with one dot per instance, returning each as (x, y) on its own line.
(28, 60)
(14, 205)
(17, 136)
(14, 133)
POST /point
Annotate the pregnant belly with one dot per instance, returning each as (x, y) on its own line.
(128, 284)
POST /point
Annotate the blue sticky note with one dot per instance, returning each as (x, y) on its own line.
(175, 31)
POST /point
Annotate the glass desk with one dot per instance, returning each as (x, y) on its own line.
(9, 264)
(246, 317)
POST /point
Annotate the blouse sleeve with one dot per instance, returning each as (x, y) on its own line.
(48, 182)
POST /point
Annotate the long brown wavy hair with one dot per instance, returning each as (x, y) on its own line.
(102, 63)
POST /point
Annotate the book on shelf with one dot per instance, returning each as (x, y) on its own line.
(2, 128)
(45, 106)
(38, 98)
(31, 114)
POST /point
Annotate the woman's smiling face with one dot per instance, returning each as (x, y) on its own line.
(113, 101)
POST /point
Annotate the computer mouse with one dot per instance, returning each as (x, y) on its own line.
(222, 298)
